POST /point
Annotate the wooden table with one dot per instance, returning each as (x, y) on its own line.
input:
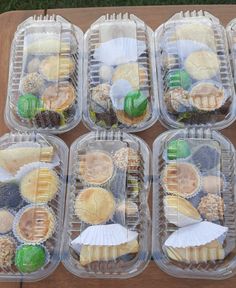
(153, 16)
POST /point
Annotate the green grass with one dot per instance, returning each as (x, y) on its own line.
(6, 5)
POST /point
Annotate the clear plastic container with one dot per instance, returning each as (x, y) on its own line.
(33, 171)
(107, 222)
(120, 89)
(194, 74)
(45, 76)
(231, 33)
(194, 214)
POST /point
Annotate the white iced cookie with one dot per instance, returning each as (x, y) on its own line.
(202, 65)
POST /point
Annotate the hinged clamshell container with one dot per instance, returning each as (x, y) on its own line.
(107, 221)
(194, 211)
(45, 76)
(33, 169)
(231, 33)
(120, 89)
(194, 74)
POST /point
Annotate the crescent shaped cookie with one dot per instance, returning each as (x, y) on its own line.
(196, 32)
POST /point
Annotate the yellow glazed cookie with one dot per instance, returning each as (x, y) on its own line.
(131, 72)
(96, 167)
(94, 205)
(202, 65)
(13, 158)
(39, 185)
(55, 68)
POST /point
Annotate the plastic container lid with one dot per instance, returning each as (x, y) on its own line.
(120, 81)
(45, 76)
(194, 212)
(194, 74)
(107, 221)
(32, 190)
(231, 33)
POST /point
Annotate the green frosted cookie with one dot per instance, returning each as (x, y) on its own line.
(28, 105)
(135, 103)
(178, 149)
(179, 78)
(30, 258)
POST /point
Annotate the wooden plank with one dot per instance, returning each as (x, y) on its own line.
(153, 16)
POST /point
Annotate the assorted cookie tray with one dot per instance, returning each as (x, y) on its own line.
(119, 72)
(194, 211)
(32, 191)
(45, 82)
(107, 222)
(194, 74)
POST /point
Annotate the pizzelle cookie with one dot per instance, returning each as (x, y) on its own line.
(94, 205)
(96, 167)
(202, 65)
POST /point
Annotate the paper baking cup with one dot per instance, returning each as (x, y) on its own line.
(104, 235)
(185, 47)
(196, 235)
(119, 89)
(164, 185)
(17, 219)
(119, 51)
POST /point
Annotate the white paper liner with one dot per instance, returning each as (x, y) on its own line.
(196, 235)
(119, 90)
(20, 213)
(119, 50)
(47, 254)
(185, 47)
(104, 235)
(176, 217)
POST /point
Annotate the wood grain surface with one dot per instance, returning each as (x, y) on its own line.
(83, 17)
